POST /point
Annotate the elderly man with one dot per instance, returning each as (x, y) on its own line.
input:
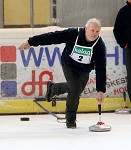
(84, 51)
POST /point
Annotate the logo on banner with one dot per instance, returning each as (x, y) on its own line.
(8, 71)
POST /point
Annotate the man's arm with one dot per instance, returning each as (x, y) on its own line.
(56, 37)
(100, 70)
(119, 30)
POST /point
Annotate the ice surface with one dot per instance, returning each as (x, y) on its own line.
(43, 132)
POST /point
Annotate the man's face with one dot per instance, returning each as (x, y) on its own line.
(129, 1)
(92, 31)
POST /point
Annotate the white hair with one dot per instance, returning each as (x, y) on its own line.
(93, 20)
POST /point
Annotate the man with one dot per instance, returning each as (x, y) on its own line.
(84, 50)
(122, 33)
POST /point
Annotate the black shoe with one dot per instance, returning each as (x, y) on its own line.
(71, 124)
(49, 92)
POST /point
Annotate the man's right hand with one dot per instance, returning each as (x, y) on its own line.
(24, 46)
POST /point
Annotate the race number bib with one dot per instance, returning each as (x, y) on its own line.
(81, 54)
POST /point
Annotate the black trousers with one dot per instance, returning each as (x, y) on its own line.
(74, 86)
(128, 68)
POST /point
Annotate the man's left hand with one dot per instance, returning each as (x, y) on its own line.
(100, 97)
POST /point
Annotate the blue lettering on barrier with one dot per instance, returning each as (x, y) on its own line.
(31, 52)
(115, 55)
(51, 60)
(37, 61)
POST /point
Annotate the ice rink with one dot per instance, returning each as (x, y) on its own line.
(43, 132)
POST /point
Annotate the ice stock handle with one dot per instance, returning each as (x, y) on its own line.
(99, 109)
(124, 96)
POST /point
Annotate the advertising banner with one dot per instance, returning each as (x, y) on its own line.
(24, 74)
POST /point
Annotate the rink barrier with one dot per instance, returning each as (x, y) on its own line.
(27, 106)
(24, 74)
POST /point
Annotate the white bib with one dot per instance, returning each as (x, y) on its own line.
(82, 54)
